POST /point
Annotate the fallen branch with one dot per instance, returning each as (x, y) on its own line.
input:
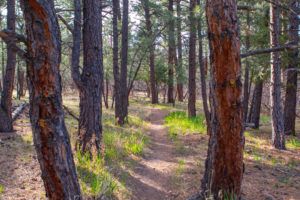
(270, 50)
(70, 112)
(64, 21)
(18, 111)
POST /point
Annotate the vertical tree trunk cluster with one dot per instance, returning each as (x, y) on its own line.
(179, 70)
(6, 123)
(90, 81)
(292, 74)
(171, 52)
(203, 67)
(224, 164)
(46, 113)
(192, 60)
(275, 89)
(154, 93)
(120, 75)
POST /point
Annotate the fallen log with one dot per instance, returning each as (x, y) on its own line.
(18, 111)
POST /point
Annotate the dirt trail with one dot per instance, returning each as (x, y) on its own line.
(152, 176)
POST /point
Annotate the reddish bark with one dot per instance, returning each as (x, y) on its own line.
(224, 164)
(46, 112)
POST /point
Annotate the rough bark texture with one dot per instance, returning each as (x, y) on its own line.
(275, 89)
(247, 70)
(154, 93)
(203, 68)
(192, 61)
(123, 76)
(8, 81)
(179, 70)
(224, 164)
(254, 115)
(46, 113)
(116, 70)
(292, 74)
(171, 52)
(21, 81)
(90, 125)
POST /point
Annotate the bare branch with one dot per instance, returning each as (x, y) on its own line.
(270, 50)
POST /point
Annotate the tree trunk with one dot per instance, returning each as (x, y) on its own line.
(275, 89)
(105, 94)
(123, 76)
(154, 94)
(254, 115)
(90, 81)
(224, 164)
(247, 70)
(116, 70)
(203, 68)
(8, 81)
(2, 56)
(21, 80)
(192, 61)
(171, 53)
(179, 71)
(90, 127)
(292, 74)
(46, 113)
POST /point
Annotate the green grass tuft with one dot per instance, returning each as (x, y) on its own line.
(293, 143)
(179, 123)
(1, 189)
(94, 178)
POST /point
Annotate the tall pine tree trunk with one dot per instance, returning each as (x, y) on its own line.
(247, 70)
(116, 70)
(254, 115)
(8, 81)
(154, 93)
(124, 60)
(51, 138)
(275, 89)
(179, 70)
(90, 81)
(292, 74)
(90, 126)
(192, 61)
(224, 165)
(171, 52)
(203, 68)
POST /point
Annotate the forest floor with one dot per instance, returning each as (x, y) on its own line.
(146, 161)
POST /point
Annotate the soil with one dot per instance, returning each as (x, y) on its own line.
(169, 169)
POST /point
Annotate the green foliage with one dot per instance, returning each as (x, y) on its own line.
(1, 189)
(265, 119)
(95, 180)
(293, 143)
(179, 123)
